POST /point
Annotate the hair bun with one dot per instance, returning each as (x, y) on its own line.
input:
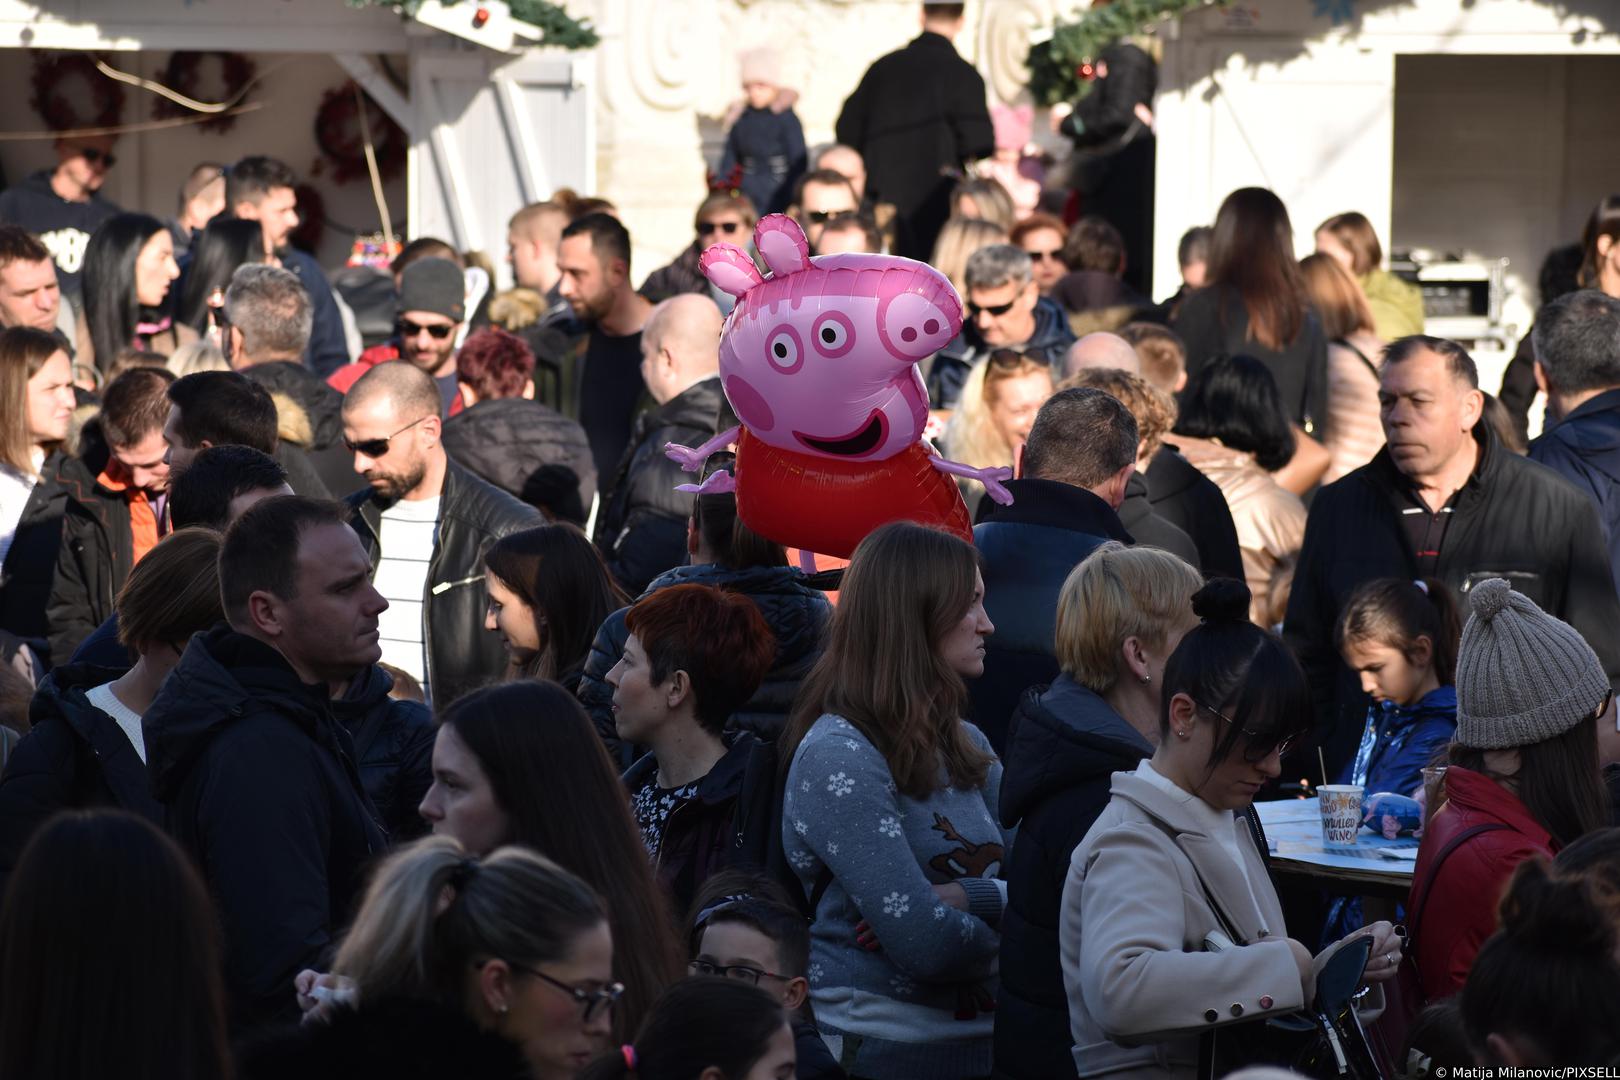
(1489, 597)
(1222, 600)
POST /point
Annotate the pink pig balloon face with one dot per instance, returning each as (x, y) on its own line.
(821, 357)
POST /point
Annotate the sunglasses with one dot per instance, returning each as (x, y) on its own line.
(728, 227)
(592, 1004)
(1258, 745)
(410, 329)
(98, 157)
(821, 217)
(376, 448)
(994, 310)
(1045, 256)
(1007, 359)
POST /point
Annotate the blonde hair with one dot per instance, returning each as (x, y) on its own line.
(1155, 410)
(1337, 297)
(194, 356)
(1114, 594)
(990, 198)
(971, 436)
(432, 910)
(172, 593)
(23, 352)
(958, 240)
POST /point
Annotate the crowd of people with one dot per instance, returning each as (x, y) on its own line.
(382, 706)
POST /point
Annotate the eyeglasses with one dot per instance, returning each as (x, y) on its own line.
(740, 972)
(821, 217)
(994, 310)
(1008, 359)
(408, 329)
(1045, 256)
(1259, 744)
(376, 448)
(98, 157)
(592, 1003)
(728, 227)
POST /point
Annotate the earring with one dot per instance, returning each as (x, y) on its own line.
(1181, 734)
(1146, 679)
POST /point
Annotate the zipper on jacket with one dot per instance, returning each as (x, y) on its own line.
(445, 586)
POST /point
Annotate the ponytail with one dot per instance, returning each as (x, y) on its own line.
(1397, 613)
(699, 1023)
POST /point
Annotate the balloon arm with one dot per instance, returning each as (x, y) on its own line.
(990, 478)
(719, 482)
(691, 460)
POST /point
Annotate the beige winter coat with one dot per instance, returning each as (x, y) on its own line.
(1136, 913)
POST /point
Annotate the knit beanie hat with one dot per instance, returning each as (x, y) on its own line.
(1522, 676)
(761, 65)
(435, 285)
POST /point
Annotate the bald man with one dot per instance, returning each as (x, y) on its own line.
(425, 522)
(1101, 350)
(642, 528)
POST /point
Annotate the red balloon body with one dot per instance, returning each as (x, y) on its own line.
(828, 505)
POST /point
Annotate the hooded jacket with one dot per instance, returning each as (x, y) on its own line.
(393, 747)
(509, 441)
(1192, 502)
(30, 563)
(394, 1037)
(259, 786)
(461, 654)
(322, 406)
(796, 613)
(62, 225)
(74, 756)
(948, 370)
(1584, 448)
(1400, 740)
(1063, 747)
(1027, 551)
(1459, 912)
(1512, 519)
(1145, 888)
(733, 820)
(642, 526)
(95, 558)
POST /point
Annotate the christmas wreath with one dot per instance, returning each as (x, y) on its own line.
(337, 132)
(53, 76)
(1060, 68)
(182, 75)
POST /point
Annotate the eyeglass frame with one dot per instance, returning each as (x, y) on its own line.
(725, 228)
(724, 971)
(1278, 746)
(995, 311)
(94, 156)
(365, 445)
(591, 1004)
(407, 328)
(1043, 256)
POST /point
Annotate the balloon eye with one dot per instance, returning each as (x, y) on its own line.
(833, 335)
(783, 350)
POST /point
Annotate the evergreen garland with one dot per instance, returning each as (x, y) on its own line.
(557, 27)
(1060, 68)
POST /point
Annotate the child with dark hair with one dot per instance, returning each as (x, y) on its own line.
(713, 1029)
(744, 927)
(702, 798)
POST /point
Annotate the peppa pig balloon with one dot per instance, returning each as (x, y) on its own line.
(819, 360)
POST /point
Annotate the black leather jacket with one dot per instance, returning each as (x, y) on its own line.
(461, 654)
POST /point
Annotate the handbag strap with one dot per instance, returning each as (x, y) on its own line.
(1359, 355)
(1420, 893)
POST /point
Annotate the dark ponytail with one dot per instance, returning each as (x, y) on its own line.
(1230, 664)
(699, 1023)
(1396, 613)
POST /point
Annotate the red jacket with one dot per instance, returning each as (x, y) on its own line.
(349, 374)
(1460, 912)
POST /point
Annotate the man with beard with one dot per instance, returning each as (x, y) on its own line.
(431, 309)
(594, 258)
(425, 523)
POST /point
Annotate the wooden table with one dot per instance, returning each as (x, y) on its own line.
(1373, 866)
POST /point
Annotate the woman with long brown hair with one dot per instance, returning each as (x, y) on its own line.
(548, 592)
(890, 814)
(1352, 430)
(1255, 303)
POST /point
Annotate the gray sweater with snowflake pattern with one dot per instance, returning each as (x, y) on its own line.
(917, 1006)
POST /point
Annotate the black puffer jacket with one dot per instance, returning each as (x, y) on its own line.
(796, 614)
(642, 526)
(259, 786)
(507, 441)
(323, 406)
(96, 556)
(393, 745)
(30, 565)
(473, 514)
(74, 756)
(399, 1038)
(1064, 744)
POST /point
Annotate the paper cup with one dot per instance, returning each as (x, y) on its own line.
(1341, 813)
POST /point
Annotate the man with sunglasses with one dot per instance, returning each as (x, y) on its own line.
(821, 195)
(63, 206)
(429, 315)
(1005, 310)
(425, 522)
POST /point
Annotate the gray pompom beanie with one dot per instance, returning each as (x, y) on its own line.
(1522, 676)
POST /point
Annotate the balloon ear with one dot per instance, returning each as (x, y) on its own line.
(730, 268)
(780, 240)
